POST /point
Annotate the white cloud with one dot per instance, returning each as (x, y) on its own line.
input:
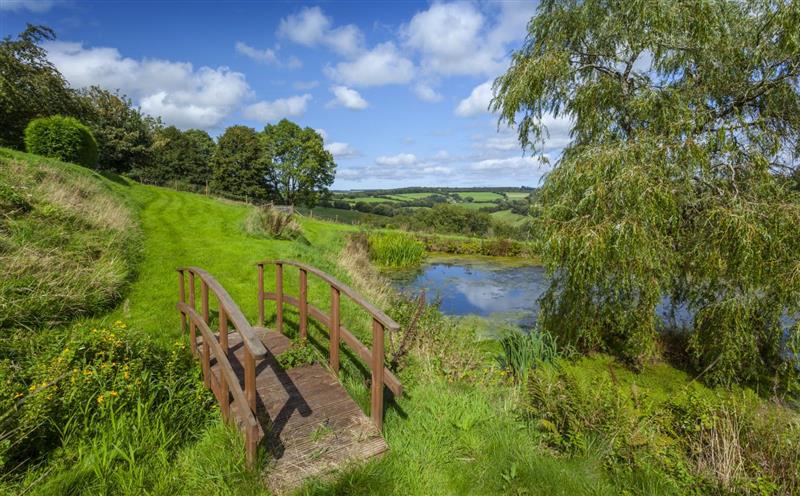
(307, 27)
(399, 159)
(505, 165)
(426, 93)
(441, 155)
(347, 98)
(266, 56)
(322, 133)
(342, 150)
(37, 6)
(176, 91)
(277, 109)
(311, 27)
(477, 102)
(457, 39)
(382, 65)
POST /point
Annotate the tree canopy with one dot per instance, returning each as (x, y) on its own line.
(239, 165)
(685, 126)
(301, 170)
(30, 86)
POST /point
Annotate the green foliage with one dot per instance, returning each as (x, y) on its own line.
(124, 135)
(272, 223)
(238, 164)
(30, 86)
(299, 355)
(684, 121)
(524, 351)
(395, 249)
(301, 169)
(182, 157)
(448, 218)
(704, 440)
(493, 247)
(64, 138)
(68, 245)
(70, 386)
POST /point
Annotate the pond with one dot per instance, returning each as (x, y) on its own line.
(503, 290)
(498, 289)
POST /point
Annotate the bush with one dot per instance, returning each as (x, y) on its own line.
(58, 386)
(708, 441)
(395, 249)
(64, 138)
(272, 223)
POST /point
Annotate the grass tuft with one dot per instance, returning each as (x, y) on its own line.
(395, 249)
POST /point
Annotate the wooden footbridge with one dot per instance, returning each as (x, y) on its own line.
(302, 417)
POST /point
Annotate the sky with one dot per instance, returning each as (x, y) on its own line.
(398, 89)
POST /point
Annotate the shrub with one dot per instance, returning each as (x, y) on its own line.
(64, 138)
(55, 385)
(395, 249)
(272, 223)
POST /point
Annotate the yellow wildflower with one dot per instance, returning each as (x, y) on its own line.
(113, 394)
(18, 395)
(32, 388)
(100, 399)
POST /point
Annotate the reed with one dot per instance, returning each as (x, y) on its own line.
(395, 250)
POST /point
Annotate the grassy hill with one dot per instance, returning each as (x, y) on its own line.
(464, 427)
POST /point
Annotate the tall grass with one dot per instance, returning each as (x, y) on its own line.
(523, 351)
(395, 249)
(272, 223)
(68, 242)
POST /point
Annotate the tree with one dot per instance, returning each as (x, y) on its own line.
(123, 133)
(301, 170)
(180, 157)
(685, 124)
(30, 86)
(239, 166)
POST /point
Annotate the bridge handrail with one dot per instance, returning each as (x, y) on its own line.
(228, 383)
(243, 327)
(337, 332)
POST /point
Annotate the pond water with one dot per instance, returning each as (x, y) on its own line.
(502, 290)
(486, 287)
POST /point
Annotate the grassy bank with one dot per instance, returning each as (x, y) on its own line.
(465, 425)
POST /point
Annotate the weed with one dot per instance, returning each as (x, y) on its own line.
(272, 223)
(299, 355)
(523, 351)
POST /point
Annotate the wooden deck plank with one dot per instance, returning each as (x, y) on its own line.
(312, 426)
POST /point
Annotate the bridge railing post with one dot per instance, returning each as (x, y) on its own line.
(335, 330)
(279, 297)
(303, 304)
(182, 299)
(223, 329)
(260, 295)
(376, 404)
(250, 379)
(193, 304)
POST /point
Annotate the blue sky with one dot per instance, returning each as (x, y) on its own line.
(398, 89)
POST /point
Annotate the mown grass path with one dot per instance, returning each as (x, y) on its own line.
(183, 229)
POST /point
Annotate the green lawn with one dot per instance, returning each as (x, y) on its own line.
(508, 216)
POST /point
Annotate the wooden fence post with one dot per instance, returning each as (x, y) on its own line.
(335, 324)
(376, 407)
(223, 330)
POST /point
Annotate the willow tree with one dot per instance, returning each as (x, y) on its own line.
(685, 119)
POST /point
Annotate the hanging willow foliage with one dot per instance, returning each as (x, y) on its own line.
(685, 127)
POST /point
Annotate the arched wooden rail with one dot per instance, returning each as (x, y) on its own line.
(227, 384)
(251, 387)
(381, 322)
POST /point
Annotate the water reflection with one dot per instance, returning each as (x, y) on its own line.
(479, 287)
